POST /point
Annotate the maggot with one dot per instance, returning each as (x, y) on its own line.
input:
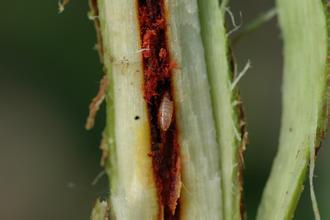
(165, 112)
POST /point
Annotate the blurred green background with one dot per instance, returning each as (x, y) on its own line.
(49, 72)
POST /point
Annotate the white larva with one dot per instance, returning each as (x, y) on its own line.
(165, 113)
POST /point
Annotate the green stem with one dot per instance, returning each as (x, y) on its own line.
(231, 134)
(304, 26)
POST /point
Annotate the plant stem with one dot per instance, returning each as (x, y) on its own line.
(132, 187)
(207, 116)
(230, 126)
(304, 117)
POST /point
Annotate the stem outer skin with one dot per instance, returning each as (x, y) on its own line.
(229, 117)
(305, 106)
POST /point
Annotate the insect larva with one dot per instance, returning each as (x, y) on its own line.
(165, 112)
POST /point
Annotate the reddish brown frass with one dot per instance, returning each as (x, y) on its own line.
(157, 88)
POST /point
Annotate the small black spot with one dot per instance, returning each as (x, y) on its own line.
(137, 117)
(290, 129)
